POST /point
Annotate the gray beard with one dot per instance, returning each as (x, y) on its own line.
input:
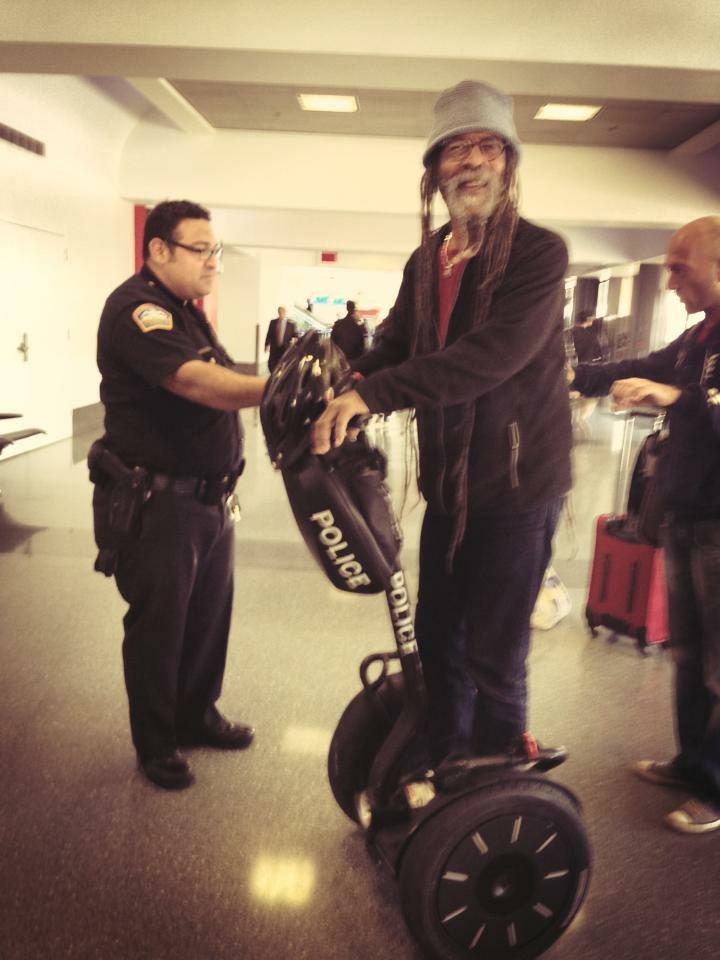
(465, 210)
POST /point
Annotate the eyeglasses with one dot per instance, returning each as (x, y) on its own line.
(202, 253)
(490, 149)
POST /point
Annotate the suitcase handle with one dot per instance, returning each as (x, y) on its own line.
(632, 586)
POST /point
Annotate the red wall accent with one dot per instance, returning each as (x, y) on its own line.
(140, 218)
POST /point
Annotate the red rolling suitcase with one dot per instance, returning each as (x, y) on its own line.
(627, 588)
(627, 592)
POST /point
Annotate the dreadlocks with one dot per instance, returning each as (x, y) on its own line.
(495, 243)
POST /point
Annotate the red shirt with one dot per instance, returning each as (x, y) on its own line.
(448, 286)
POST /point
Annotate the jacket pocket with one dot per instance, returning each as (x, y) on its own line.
(514, 440)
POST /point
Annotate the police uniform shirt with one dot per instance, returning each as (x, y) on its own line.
(146, 333)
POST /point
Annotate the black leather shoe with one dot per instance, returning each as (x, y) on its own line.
(223, 735)
(172, 772)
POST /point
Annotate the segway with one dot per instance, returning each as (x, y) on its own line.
(491, 857)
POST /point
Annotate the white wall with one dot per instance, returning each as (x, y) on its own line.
(276, 171)
(238, 303)
(612, 186)
(390, 236)
(71, 194)
(302, 172)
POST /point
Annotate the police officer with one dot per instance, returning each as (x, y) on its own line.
(165, 473)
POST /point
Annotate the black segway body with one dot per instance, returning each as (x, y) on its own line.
(491, 857)
(493, 862)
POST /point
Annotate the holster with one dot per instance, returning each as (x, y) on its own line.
(120, 494)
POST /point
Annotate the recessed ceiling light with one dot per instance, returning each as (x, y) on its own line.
(328, 102)
(566, 111)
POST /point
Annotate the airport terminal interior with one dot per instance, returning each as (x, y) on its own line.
(104, 113)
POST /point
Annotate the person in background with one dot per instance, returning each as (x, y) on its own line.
(684, 379)
(349, 332)
(164, 476)
(587, 349)
(281, 333)
(585, 339)
(474, 343)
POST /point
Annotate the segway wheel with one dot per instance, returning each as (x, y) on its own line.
(498, 874)
(361, 731)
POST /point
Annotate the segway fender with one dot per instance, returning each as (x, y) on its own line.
(334, 530)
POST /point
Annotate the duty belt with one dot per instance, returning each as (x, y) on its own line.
(207, 490)
(107, 466)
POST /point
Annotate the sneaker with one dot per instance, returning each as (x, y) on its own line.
(695, 816)
(665, 772)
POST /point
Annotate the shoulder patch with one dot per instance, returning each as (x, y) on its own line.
(149, 317)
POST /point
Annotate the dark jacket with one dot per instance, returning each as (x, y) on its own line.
(510, 367)
(587, 344)
(277, 344)
(349, 335)
(688, 471)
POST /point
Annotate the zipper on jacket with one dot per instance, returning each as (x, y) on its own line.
(514, 437)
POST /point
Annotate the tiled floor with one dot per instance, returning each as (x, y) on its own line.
(256, 862)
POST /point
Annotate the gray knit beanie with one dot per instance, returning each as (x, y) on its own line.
(472, 106)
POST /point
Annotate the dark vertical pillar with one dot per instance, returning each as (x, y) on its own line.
(646, 298)
(586, 294)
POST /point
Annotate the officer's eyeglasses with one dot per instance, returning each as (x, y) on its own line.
(490, 149)
(202, 253)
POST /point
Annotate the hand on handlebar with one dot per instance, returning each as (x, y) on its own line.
(332, 426)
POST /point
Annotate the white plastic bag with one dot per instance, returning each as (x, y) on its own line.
(553, 602)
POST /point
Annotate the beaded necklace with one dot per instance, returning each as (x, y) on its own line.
(445, 264)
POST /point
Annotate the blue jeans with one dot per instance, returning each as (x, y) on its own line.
(473, 625)
(692, 564)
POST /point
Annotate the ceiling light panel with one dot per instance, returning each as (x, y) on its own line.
(329, 103)
(573, 112)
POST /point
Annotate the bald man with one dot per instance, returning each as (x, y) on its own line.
(684, 379)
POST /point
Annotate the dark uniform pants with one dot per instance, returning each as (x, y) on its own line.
(177, 578)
